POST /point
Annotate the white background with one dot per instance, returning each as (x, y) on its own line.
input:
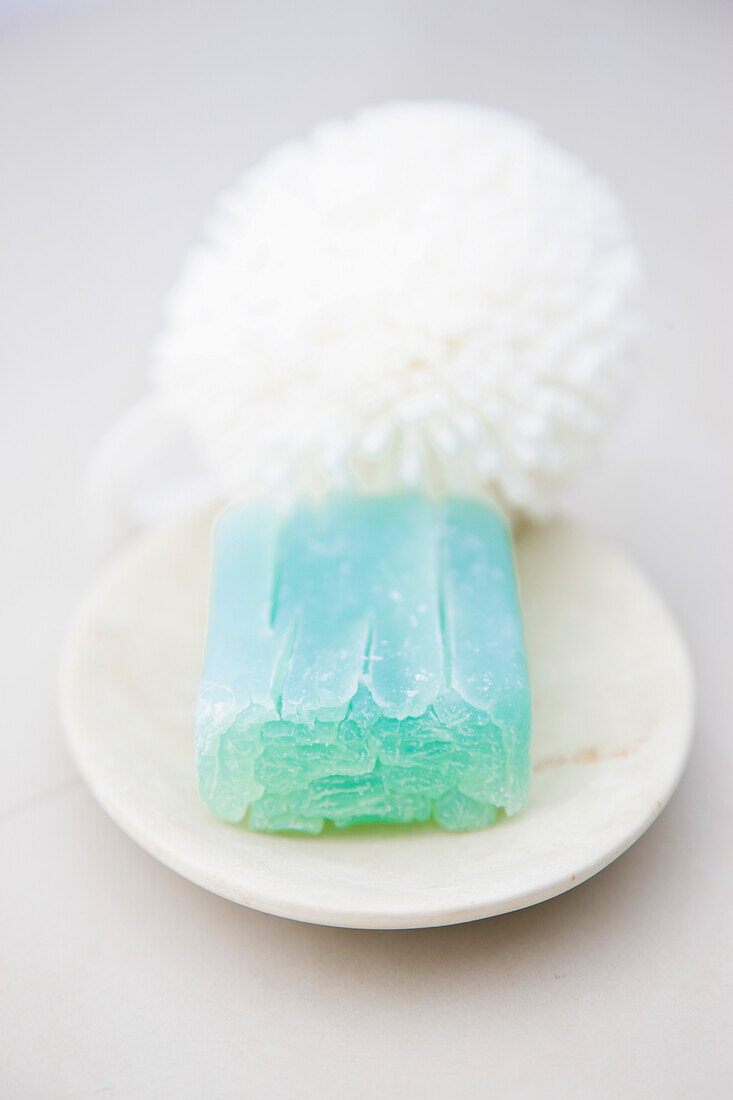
(119, 123)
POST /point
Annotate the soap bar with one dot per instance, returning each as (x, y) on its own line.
(364, 662)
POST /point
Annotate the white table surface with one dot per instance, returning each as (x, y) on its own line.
(119, 122)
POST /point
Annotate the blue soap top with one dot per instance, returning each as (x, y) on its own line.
(411, 598)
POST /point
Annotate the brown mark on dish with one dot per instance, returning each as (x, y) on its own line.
(587, 756)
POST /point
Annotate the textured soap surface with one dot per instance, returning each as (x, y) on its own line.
(364, 662)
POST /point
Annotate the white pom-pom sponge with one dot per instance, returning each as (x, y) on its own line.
(429, 294)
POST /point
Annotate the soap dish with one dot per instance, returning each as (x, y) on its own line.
(613, 714)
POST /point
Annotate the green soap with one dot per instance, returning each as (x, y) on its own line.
(364, 662)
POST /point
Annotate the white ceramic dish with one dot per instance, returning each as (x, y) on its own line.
(613, 708)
